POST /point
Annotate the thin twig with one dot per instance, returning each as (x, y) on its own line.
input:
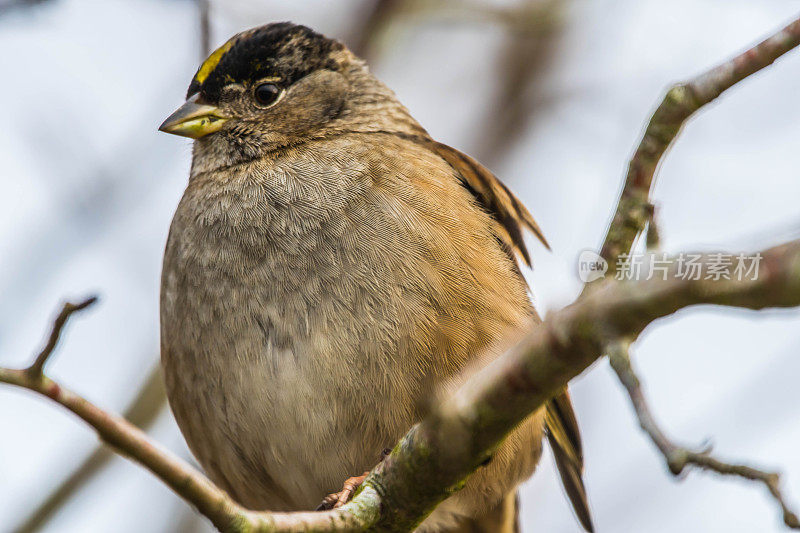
(58, 325)
(679, 457)
(683, 100)
(131, 442)
(634, 215)
(149, 401)
(142, 413)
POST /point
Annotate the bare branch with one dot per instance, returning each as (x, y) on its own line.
(634, 214)
(679, 457)
(131, 442)
(58, 325)
(142, 412)
(683, 100)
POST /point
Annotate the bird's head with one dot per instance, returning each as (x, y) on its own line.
(279, 85)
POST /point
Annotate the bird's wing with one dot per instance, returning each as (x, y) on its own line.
(512, 218)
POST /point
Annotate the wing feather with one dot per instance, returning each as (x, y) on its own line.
(512, 216)
(512, 219)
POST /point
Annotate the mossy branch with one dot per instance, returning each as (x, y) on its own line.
(634, 210)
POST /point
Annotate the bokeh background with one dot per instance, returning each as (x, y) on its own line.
(550, 94)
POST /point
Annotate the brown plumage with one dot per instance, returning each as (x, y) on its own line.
(328, 267)
(512, 218)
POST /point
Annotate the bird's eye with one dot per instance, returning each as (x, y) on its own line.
(267, 93)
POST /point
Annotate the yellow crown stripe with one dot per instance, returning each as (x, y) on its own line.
(213, 60)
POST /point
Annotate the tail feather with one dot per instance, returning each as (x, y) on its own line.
(565, 440)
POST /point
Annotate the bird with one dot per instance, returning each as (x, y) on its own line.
(329, 270)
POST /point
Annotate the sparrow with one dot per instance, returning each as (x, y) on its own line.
(329, 270)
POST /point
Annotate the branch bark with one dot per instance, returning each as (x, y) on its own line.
(634, 210)
(635, 214)
(37, 367)
(679, 457)
(142, 413)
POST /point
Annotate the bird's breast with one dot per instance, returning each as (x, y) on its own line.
(294, 324)
(310, 307)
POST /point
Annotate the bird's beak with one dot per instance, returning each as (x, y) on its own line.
(194, 120)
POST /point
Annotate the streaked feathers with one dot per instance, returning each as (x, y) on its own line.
(565, 441)
(512, 217)
(496, 199)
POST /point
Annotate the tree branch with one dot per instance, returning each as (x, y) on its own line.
(635, 212)
(142, 412)
(679, 457)
(437, 455)
(683, 100)
(379, 14)
(67, 309)
(204, 20)
(501, 395)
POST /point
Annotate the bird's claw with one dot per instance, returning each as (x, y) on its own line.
(337, 499)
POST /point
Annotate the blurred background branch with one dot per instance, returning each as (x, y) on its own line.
(530, 27)
(531, 33)
(534, 30)
(7, 6)
(379, 14)
(204, 12)
(544, 361)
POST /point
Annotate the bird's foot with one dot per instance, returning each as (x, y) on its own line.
(337, 499)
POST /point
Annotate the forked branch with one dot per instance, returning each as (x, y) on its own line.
(634, 210)
(679, 457)
(37, 367)
(424, 468)
(634, 215)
